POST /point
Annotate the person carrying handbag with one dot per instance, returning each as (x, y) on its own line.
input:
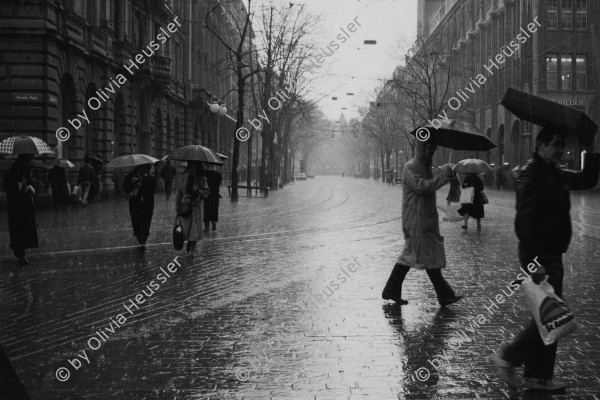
(474, 209)
(192, 188)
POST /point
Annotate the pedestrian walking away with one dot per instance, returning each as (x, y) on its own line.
(87, 176)
(211, 203)
(454, 192)
(543, 227)
(22, 227)
(167, 173)
(192, 188)
(57, 178)
(474, 210)
(424, 246)
(141, 187)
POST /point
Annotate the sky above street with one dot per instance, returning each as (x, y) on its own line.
(355, 67)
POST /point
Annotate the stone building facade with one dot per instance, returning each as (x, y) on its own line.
(57, 55)
(557, 59)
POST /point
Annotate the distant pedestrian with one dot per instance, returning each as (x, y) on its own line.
(211, 203)
(22, 228)
(96, 188)
(500, 178)
(57, 178)
(474, 210)
(192, 188)
(454, 192)
(117, 179)
(87, 176)
(167, 173)
(543, 227)
(141, 187)
(424, 246)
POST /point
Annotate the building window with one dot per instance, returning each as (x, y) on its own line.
(566, 71)
(566, 14)
(552, 71)
(581, 68)
(581, 14)
(552, 14)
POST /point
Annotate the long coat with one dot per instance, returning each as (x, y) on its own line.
(423, 244)
(211, 203)
(141, 205)
(22, 227)
(475, 210)
(192, 225)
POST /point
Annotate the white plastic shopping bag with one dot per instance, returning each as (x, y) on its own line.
(552, 316)
(466, 195)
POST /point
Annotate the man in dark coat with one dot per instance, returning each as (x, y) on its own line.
(87, 177)
(423, 244)
(167, 173)
(543, 227)
(211, 203)
(141, 187)
(22, 228)
(58, 182)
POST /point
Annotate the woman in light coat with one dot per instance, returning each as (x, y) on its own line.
(192, 188)
(423, 244)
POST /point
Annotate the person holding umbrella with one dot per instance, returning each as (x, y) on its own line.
(192, 188)
(424, 246)
(474, 209)
(140, 186)
(86, 178)
(18, 185)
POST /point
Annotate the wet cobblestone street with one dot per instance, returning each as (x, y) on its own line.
(282, 302)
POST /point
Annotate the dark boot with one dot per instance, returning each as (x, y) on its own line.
(444, 292)
(393, 287)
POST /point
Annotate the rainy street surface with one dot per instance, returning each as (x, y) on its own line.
(282, 302)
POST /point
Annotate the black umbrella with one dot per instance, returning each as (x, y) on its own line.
(545, 112)
(195, 152)
(456, 135)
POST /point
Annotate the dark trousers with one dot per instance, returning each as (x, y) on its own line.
(393, 288)
(528, 346)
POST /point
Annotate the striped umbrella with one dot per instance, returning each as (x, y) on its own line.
(132, 160)
(25, 145)
(195, 152)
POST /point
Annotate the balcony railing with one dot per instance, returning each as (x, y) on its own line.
(162, 67)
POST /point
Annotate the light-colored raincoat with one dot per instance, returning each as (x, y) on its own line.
(192, 225)
(423, 244)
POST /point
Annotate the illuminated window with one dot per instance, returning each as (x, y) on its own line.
(552, 71)
(552, 14)
(566, 71)
(566, 14)
(581, 14)
(581, 69)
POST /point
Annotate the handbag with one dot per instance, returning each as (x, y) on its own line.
(484, 198)
(177, 234)
(554, 319)
(466, 196)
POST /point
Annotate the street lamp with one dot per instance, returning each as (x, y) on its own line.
(218, 109)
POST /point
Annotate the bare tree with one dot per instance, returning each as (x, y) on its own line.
(239, 48)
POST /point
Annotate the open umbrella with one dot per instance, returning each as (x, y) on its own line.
(223, 156)
(472, 166)
(38, 164)
(131, 160)
(545, 112)
(25, 145)
(195, 152)
(456, 135)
